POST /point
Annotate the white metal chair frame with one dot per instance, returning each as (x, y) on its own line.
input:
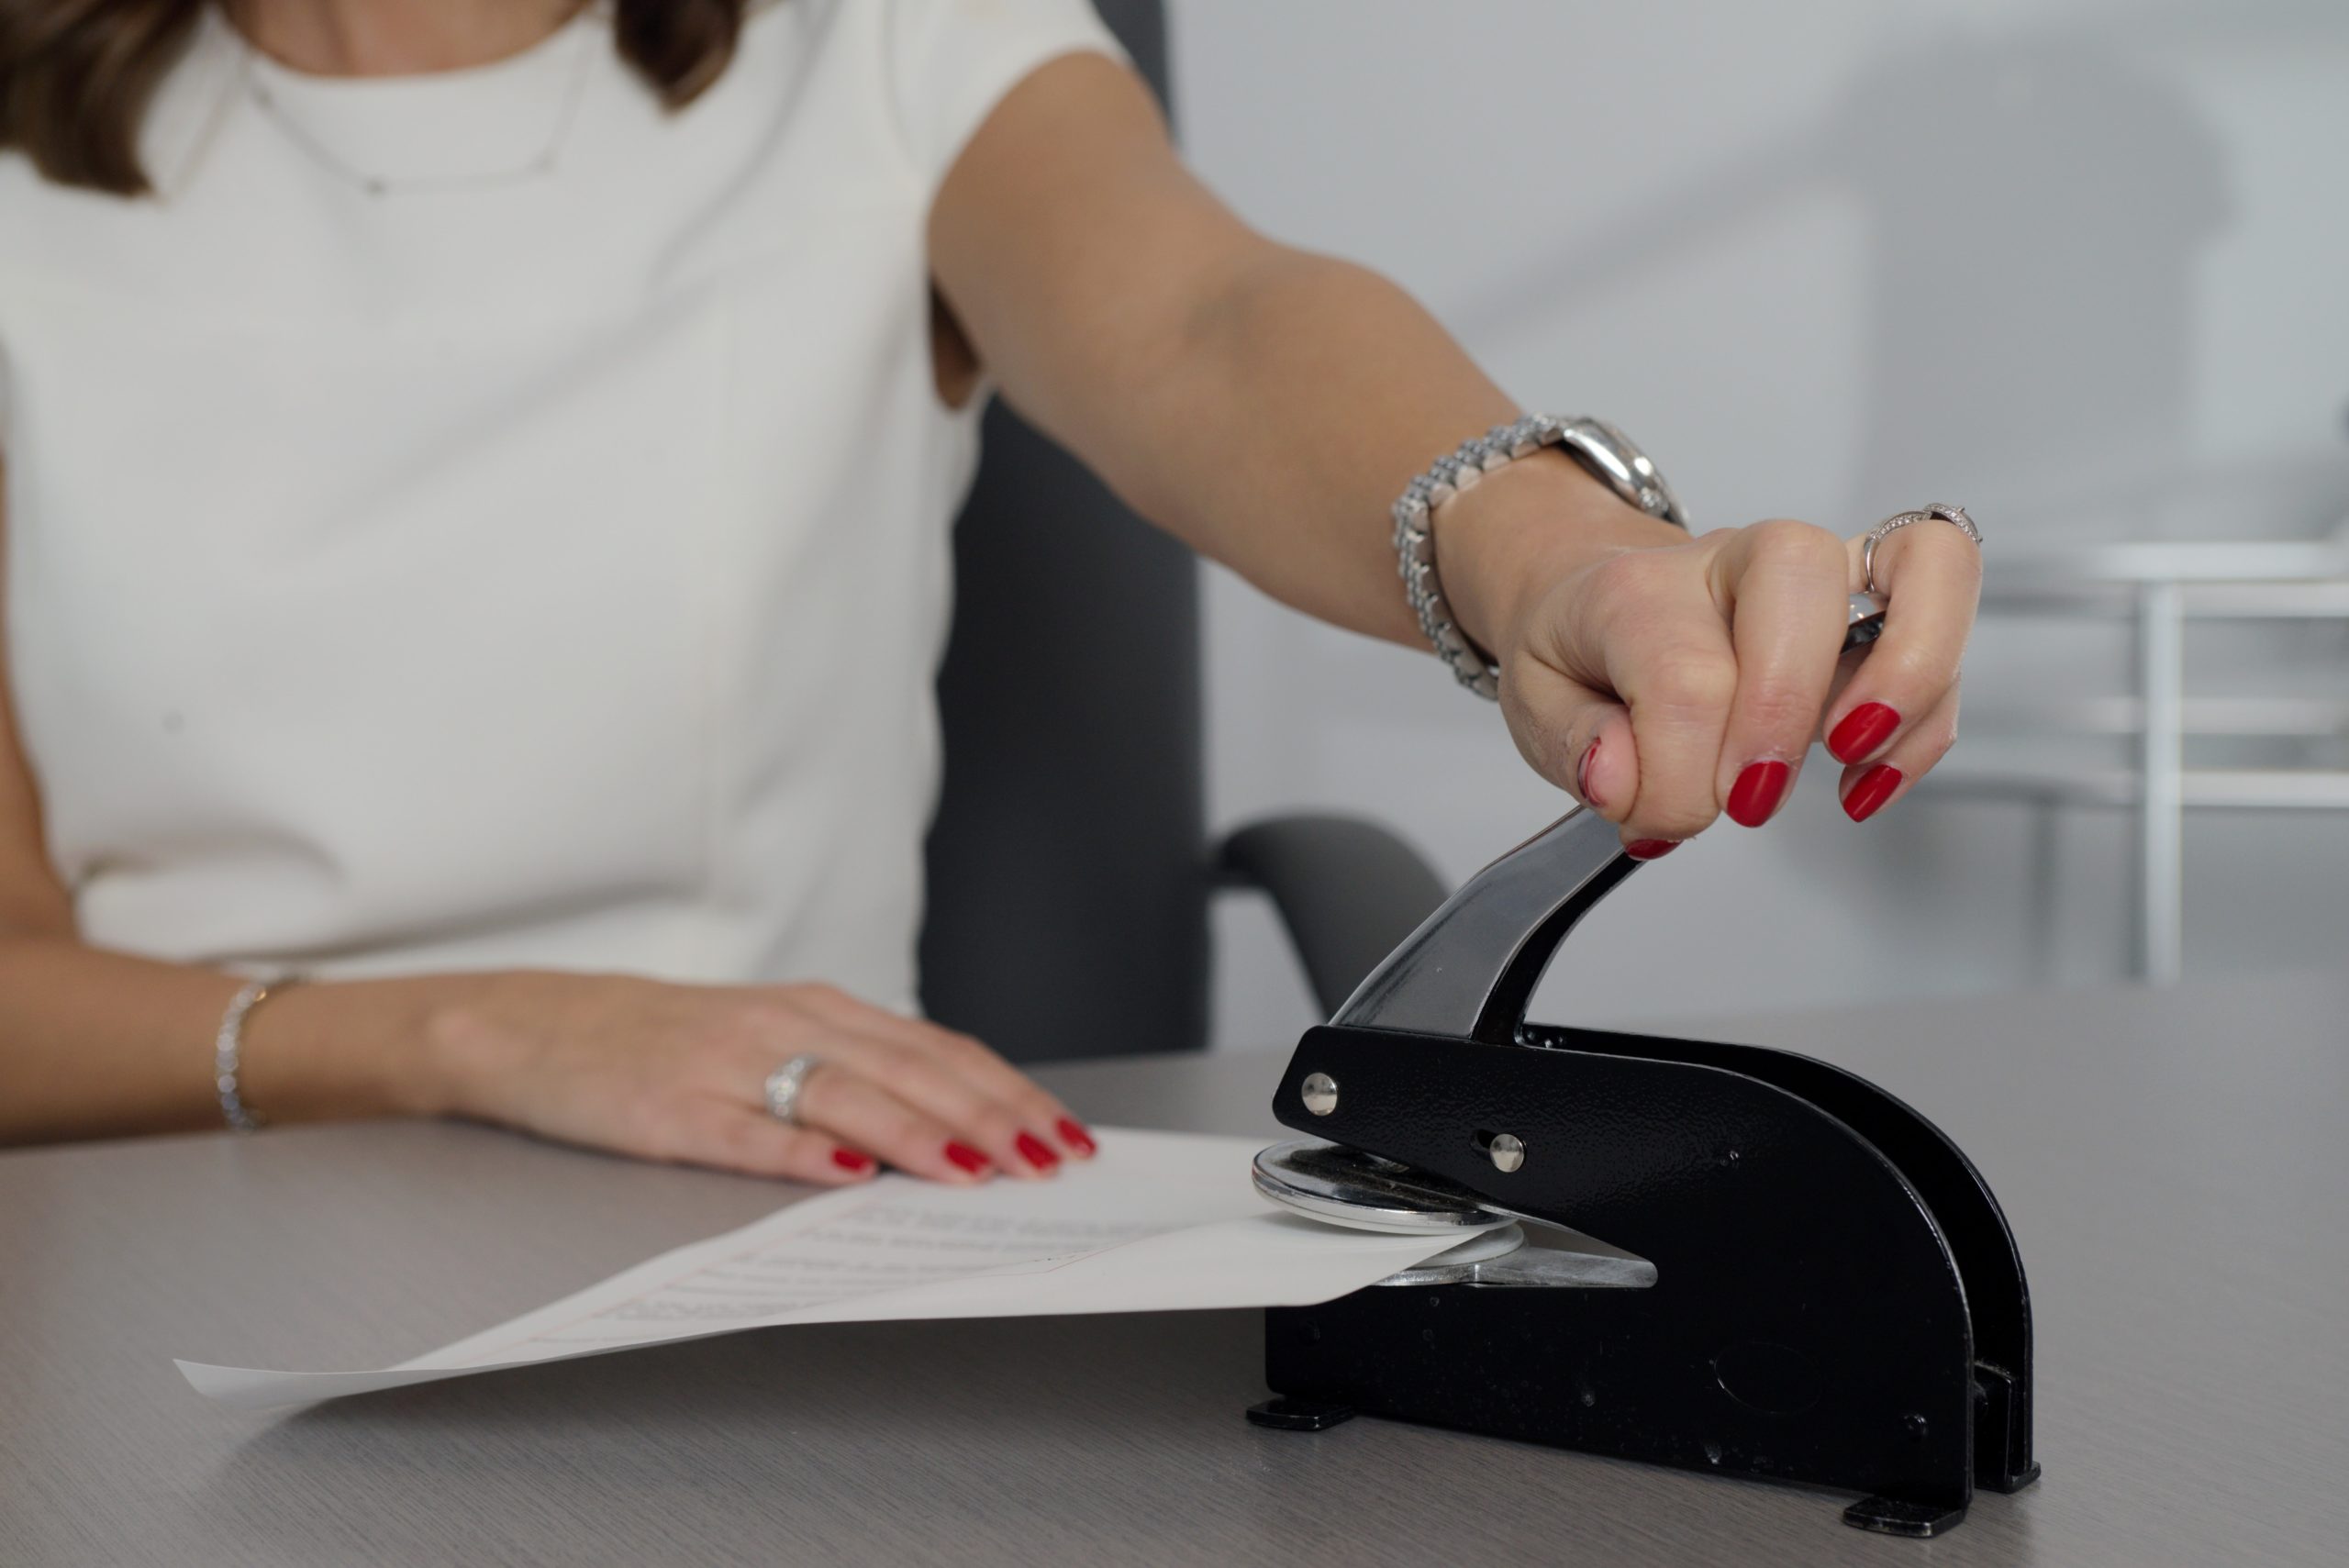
(2160, 587)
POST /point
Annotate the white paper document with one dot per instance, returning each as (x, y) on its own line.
(1156, 1221)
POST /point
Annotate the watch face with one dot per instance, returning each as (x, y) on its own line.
(1609, 454)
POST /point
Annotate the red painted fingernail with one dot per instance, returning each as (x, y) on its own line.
(1863, 729)
(1876, 787)
(1758, 793)
(1036, 1152)
(849, 1160)
(1650, 849)
(1075, 1136)
(1582, 776)
(970, 1159)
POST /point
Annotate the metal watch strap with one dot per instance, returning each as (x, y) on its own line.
(1599, 446)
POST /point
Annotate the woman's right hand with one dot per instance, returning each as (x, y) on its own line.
(678, 1073)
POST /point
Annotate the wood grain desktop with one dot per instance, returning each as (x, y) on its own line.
(2175, 1163)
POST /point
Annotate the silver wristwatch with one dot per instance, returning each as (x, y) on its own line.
(1599, 446)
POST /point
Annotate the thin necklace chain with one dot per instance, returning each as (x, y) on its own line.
(538, 165)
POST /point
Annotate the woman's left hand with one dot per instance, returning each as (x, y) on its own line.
(1668, 680)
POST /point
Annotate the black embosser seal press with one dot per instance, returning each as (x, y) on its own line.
(1801, 1278)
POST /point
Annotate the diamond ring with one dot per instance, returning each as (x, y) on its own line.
(784, 1085)
(1954, 515)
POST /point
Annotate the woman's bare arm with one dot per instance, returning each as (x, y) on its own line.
(1261, 403)
(1267, 405)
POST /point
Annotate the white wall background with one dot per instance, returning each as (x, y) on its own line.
(2083, 267)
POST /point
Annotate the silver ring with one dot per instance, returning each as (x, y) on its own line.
(783, 1086)
(1898, 520)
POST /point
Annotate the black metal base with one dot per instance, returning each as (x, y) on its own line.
(1883, 1515)
(1886, 1515)
(1683, 1378)
(1299, 1415)
(1837, 1301)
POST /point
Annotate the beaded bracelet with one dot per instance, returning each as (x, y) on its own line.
(227, 1050)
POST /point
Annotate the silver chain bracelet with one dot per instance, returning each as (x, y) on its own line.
(227, 1050)
(1597, 446)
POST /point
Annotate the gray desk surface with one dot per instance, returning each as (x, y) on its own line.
(2174, 1164)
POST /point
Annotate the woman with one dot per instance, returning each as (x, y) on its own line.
(477, 481)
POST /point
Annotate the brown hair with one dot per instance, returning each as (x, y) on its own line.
(76, 75)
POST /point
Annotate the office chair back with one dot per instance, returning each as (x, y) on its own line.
(1068, 873)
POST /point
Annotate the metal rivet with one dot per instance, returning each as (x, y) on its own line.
(1507, 1153)
(1320, 1092)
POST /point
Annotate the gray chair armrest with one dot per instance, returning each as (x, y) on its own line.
(1347, 889)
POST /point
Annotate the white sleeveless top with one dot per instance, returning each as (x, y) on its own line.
(509, 567)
